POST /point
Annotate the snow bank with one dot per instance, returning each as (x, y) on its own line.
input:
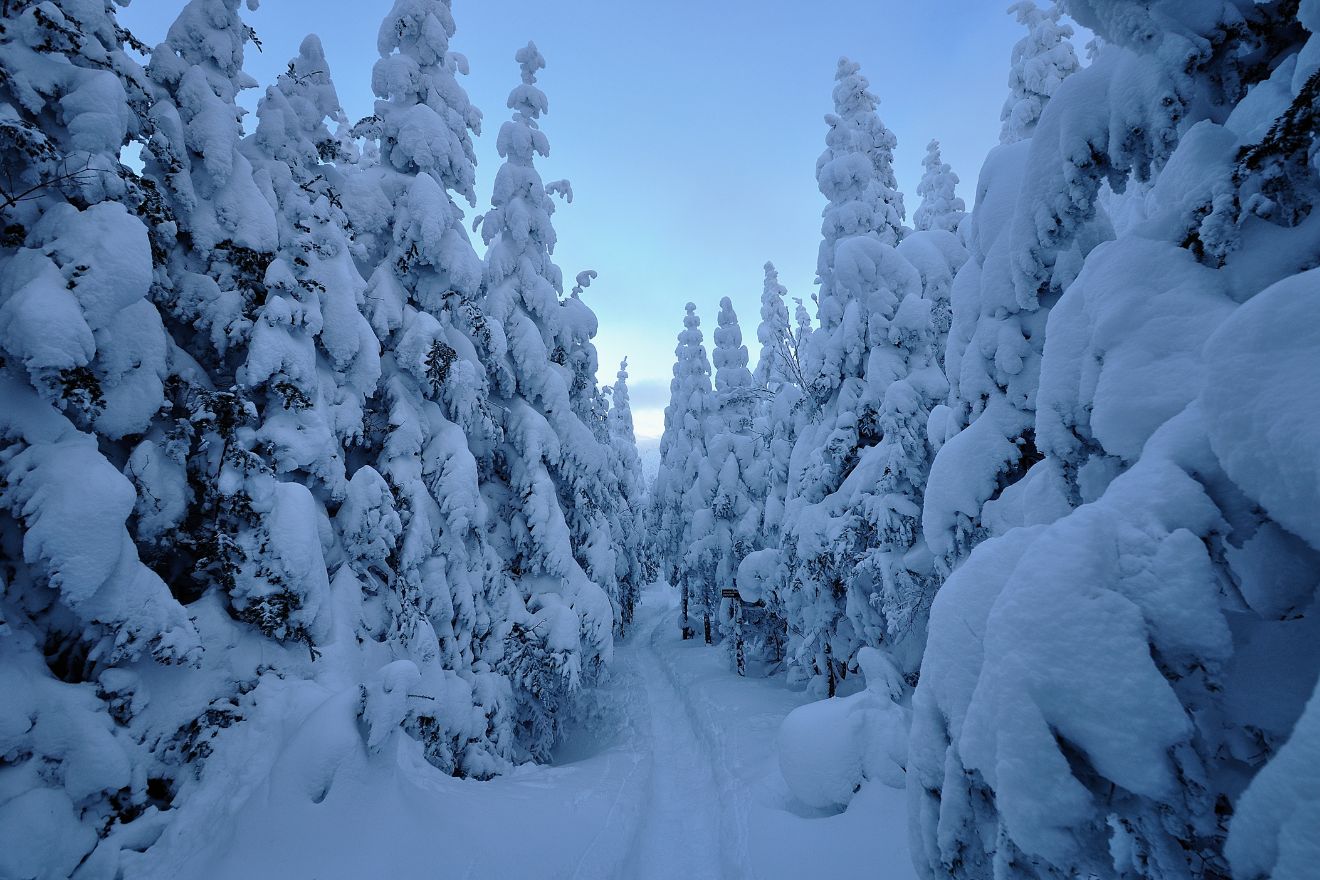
(830, 748)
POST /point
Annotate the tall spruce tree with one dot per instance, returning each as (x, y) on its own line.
(1041, 61)
(551, 533)
(84, 356)
(431, 432)
(849, 363)
(632, 567)
(683, 482)
(727, 529)
(940, 206)
(1127, 531)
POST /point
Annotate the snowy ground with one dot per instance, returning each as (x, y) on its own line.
(683, 782)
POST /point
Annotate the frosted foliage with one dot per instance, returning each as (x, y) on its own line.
(1041, 61)
(559, 542)
(940, 206)
(685, 481)
(290, 476)
(733, 381)
(633, 566)
(426, 120)
(1273, 830)
(734, 515)
(873, 331)
(1124, 658)
(855, 173)
(773, 367)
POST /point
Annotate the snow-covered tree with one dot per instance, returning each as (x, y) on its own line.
(431, 431)
(726, 529)
(773, 366)
(683, 483)
(555, 540)
(1130, 537)
(848, 364)
(84, 356)
(940, 206)
(779, 382)
(1041, 61)
(985, 434)
(632, 566)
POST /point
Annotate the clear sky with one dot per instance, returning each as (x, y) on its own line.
(689, 130)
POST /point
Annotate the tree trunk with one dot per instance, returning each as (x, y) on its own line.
(684, 628)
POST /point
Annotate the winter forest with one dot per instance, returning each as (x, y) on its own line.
(327, 549)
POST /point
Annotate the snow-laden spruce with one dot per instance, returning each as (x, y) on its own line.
(984, 433)
(685, 481)
(441, 601)
(850, 361)
(778, 378)
(1041, 61)
(940, 206)
(727, 529)
(1116, 683)
(556, 544)
(634, 566)
(251, 454)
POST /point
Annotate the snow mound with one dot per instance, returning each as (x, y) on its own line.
(829, 748)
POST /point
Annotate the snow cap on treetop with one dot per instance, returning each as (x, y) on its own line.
(526, 99)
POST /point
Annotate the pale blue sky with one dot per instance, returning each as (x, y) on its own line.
(689, 130)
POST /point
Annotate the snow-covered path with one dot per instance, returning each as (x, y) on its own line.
(678, 777)
(680, 831)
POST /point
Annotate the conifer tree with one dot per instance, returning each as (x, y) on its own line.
(940, 206)
(773, 366)
(631, 571)
(1122, 527)
(729, 528)
(683, 482)
(1041, 61)
(556, 543)
(778, 379)
(849, 363)
(996, 340)
(431, 431)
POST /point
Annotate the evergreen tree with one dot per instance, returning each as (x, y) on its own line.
(554, 537)
(632, 569)
(849, 363)
(84, 356)
(940, 206)
(778, 379)
(431, 432)
(725, 531)
(1127, 530)
(773, 366)
(1041, 61)
(683, 483)
(996, 336)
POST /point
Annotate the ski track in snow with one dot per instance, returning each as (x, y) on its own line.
(683, 822)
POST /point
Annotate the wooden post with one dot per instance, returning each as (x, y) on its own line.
(686, 630)
(739, 651)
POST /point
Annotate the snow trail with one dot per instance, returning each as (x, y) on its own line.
(680, 827)
(683, 782)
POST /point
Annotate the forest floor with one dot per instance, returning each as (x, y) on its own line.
(677, 776)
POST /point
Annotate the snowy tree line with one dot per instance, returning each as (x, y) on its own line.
(1044, 474)
(286, 466)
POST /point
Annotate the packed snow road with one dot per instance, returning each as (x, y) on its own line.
(676, 776)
